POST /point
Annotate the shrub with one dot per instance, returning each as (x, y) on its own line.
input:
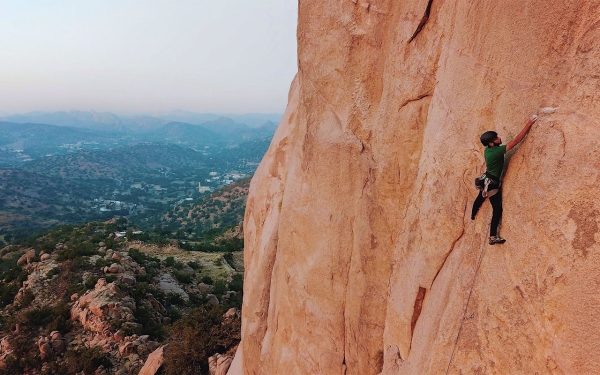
(76, 250)
(141, 258)
(237, 283)
(91, 281)
(40, 316)
(62, 318)
(229, 259)
(86, 360)
(207, 280)
(198, 336)
(101, 262)
(27, 298)
(175, 299)
(8, 293)
(53, 272)
(220, 287)
(16, 273)
(170, 261)
(110, 278)
(182, 277)
(75, 288)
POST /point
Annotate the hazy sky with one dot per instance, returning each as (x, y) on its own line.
(226, 56)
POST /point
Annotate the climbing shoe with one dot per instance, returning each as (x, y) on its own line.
(496, 240)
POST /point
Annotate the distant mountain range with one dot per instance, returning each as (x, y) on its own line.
(109, 121)
(253, 120)
(36, 134)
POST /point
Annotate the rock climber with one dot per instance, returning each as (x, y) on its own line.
(494, 160)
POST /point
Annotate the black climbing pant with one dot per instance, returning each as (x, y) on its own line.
(496, 201)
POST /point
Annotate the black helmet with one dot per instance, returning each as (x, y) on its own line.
(488, 137)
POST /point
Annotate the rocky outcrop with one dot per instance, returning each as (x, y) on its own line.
(26, 258)
(98, 308)
(51, 345)
(168, 284)
(360, 254)
(219, 364)
(154, 362)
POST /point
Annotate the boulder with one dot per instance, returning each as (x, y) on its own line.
(115, 268)
(128, 279)
(212, 300)
(168, 284)
(187, 271)
(44, 257)
(219, 364)
(126, 348)
(155, 304)
(204, 288)
(154, 361)
(59, 346)
(231, 313)
(5, 345)
(26, 258)
(46, 350)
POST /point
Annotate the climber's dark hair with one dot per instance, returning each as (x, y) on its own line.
(488, 137)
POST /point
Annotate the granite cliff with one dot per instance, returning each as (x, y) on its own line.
(361, 257)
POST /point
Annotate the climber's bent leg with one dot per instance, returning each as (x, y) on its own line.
(477, 205)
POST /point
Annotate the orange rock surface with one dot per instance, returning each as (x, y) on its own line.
(361, 257)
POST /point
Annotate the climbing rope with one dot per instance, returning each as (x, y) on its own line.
(466, 305)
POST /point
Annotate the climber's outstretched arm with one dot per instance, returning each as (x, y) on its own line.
(522, 134)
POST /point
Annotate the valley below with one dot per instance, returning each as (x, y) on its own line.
(123, 253)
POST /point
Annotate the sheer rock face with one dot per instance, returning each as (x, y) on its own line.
(360, 253)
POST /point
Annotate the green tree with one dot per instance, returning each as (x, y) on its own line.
(198, 336)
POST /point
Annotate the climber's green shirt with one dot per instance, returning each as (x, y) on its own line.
(494, 160)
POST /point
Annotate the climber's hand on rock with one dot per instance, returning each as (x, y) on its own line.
(533, 119)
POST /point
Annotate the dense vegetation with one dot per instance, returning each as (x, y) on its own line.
(194, 322)
(141, 182)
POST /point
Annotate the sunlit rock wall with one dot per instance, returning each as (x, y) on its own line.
(360, 252)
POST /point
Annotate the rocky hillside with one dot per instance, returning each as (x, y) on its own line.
(87, 300)
(212, 213)
(361, 256)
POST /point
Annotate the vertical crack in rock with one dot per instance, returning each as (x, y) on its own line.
(447, 255)
(462, 233)
(344, 317)
(423, 21)
(417, 310)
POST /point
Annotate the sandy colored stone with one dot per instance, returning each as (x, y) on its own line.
(360, 254)
(154, 361)
(219, 364)
(26, 258)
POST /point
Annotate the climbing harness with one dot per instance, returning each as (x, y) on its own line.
(482, 183)
(464, 315)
